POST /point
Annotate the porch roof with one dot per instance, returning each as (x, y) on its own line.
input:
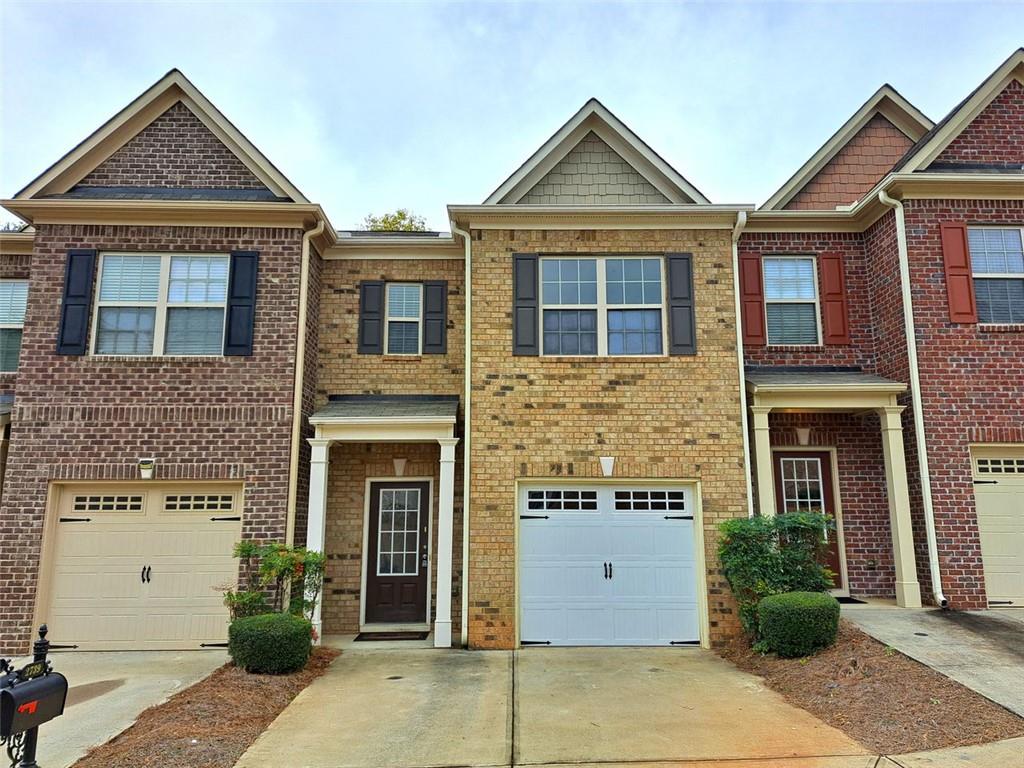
(374, 408)
(767, 381)
(818, 390)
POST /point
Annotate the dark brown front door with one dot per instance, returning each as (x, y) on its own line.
(803, 483)
(396, 564)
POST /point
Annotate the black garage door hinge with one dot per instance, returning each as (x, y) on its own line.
(535, 642)
(1000, 602)
(679, 517)
(74, 519)
(986, 482)
(213, 645)
(685, 642)
(533, 517)
(218, 519)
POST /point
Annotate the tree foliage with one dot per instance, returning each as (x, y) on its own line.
(402, 220)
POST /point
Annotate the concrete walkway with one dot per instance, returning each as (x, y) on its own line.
(983, 650)
(108, 691)
(550, 707)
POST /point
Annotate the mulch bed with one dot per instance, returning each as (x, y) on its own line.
(208, 725)
(883, 699)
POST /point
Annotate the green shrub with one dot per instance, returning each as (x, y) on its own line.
(798, 623)
(762, 556)
(272, 643)
(245, 603)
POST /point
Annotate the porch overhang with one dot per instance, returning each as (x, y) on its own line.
(818, 391)
(386, 419)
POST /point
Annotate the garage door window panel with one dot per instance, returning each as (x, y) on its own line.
(997, 266)
(161, 304)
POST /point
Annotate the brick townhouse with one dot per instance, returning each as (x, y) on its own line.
(192, 354)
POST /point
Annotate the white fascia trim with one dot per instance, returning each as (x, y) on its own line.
(594, 116)
(382, 420)
(885, 101)
(762, 389)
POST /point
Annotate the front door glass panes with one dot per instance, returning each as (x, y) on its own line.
(399, 532)
(802, 488)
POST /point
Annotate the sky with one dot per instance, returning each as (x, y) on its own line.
(368, 107)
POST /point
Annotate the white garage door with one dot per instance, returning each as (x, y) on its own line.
(143, 567)
(999, 497)
(608, 565)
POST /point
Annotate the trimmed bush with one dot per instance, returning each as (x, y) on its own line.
(272, 643)
(798, 623)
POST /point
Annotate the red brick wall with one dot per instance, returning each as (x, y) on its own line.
(85, 418)
(995, 137)
(860, 349)
(856, 168)
(862, 493)
(175, 150)
(972, 384)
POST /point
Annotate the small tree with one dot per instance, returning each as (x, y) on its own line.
(402, 220)
(278, 569)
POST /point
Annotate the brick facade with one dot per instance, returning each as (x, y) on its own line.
(543, 417)
(175, 150)
(995, 138)
(92, 418)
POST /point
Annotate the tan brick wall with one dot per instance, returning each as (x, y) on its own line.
(665, 417)
(593, 172)
(342, 370)
(351, 464)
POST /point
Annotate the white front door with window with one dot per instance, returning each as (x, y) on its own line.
(999, 498)
(608, 565)
(137, 567)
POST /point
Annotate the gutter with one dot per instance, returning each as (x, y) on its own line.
(300, 368)
(467, 399)
(741, 222)
(915, 396)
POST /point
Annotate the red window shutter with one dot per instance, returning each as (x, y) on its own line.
(752, 301)
(959, 285)
(835, 314)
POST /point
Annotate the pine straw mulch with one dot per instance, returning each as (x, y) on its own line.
(883, 699)
(209, 724)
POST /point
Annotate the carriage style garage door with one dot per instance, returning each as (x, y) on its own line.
(142, 566)
(999, 498)
(607, 565)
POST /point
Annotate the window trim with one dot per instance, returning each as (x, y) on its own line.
(813, 258)
(991, 275)
(602, 306)
(388, 320)
(161, 305)
(16, 326)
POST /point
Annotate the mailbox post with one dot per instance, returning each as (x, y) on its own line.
(29, 697)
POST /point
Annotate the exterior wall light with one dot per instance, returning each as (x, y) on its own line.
(803, 435)
(146, 468)
(399, 466)
(607, 465)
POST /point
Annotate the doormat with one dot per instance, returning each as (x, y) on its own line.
(391, 636)
(841, 600)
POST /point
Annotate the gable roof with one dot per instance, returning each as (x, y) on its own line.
(930, 145)
(888, 103)
(595, 118)
(173, 87)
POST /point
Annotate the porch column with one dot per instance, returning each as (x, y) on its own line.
(316, 519)
(445, 515)
(908, 592)
(763, 461)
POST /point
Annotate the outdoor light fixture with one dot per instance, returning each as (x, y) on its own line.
(399, 467)
(803, 435)
(146, 468)
(607, 465)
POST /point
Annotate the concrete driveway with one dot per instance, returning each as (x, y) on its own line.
(108, 691)
(550, 707)
(983, 650)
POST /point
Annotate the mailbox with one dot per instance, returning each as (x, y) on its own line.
(29, 703)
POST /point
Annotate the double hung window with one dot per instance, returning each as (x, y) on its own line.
(997, 266)
(791, 300)
(13, 298)
(404, 311)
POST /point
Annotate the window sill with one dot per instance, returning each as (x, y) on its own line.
(155, 359)
(796, 347)
(1001, 328)
(8, 373)
(611, 358)
(402, 358)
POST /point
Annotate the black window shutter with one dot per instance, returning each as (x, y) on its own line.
(435, 317)
(682, 332)
(525, 306)
(241, 311)
(371, 317)
(79, 272)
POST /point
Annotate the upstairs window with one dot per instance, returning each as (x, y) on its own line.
(791, 300)
(161, 304)
(997, 267)
(606, 306)
(404, 312)
(13, 298)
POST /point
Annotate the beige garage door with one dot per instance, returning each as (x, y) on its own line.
(143, 566)
(999, 494)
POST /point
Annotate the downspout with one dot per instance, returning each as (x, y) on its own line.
(915, 395)
(737, 230)
(466, 402)
(300, 367)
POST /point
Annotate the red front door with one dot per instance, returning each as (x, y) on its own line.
(396, 564)
(803, 483)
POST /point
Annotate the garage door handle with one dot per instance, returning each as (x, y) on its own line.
(142, 575)
(605, 570)
(611, 573)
